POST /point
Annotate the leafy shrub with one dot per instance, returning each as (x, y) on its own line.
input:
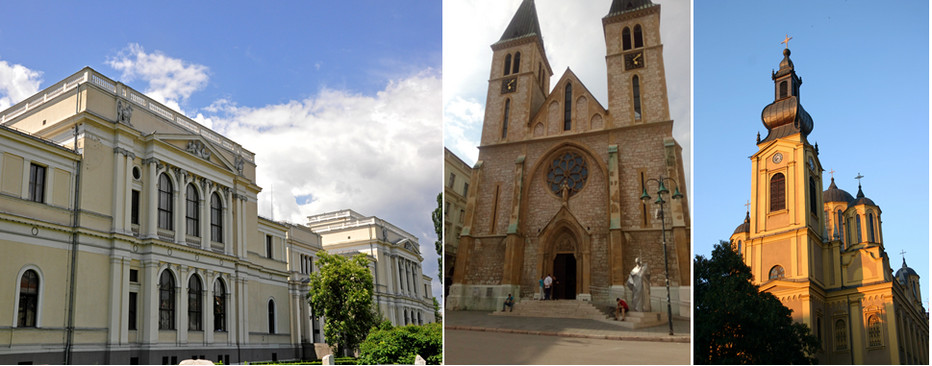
(398, 345)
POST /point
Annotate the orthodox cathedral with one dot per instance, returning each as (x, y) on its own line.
(822, 253)
(558, 186)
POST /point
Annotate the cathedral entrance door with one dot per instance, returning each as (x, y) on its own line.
(564, 268)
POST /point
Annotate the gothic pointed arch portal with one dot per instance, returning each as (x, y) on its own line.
(566, 254)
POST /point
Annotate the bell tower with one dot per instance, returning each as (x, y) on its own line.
(786, 214)
(637, 86)
(519, 80)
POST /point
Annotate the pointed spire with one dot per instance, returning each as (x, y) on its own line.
(620, 6)
(524, 23)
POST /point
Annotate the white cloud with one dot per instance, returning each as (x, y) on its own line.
(171, 80)
(17, 82)
(462, 125)
(378, 155)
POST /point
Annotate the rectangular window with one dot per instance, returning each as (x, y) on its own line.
(36, 183)
(134, 212)
(134, 275)
(452, 180)
(131, 321)
(268, 246)
(465, 189)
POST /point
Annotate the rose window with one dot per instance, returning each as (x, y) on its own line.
(570, 170)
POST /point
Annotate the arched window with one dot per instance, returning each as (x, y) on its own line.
(505, 119)
(813, 198)
(507, 64)
(165, 203)
(28, 299)
(219, 306)
(840, 226)
(870, 227)
(406, 316)
(776, 272)
(517, 66)
(638, 40)
(873, 331)
(739, 247)
(568, 107)
(194, 303)
(636, 92)
(166, 300)
(777, 192)
(857, 220)
(626, 39)
(271, 316)
(841, 335)
(192, 215)
(783, 89)
(216, 218)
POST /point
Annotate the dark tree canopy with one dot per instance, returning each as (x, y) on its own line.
(735, 323)
(341, 291)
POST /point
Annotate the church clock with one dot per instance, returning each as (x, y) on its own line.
(634, 60)
(509, 85)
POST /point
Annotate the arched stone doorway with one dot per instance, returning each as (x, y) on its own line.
(565, 255)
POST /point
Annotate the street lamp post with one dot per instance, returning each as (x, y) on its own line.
(661, 190)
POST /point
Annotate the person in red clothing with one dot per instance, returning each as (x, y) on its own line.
(621, 307)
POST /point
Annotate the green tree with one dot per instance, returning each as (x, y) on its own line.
(735, 323)
(341, 291)
(398, 345)
(438, 316)
(438, 227)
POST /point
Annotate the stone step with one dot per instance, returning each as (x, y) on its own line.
(555, 309)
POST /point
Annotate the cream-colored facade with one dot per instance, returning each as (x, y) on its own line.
(402, 291)
(129, 234)
(822, 253)
(454, 209)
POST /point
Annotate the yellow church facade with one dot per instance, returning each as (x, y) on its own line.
(822, 253)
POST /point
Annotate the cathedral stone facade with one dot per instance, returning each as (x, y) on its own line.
(822, 253)
(557, 186)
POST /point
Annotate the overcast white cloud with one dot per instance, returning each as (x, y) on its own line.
(17, 82)
(378, 155)
(171, 80)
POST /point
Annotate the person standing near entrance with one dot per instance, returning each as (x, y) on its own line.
(548, 290)
(541, 285)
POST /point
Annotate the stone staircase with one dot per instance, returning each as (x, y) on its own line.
(576, 309)
(573, 309)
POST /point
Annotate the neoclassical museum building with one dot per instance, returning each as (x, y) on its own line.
(129, 234)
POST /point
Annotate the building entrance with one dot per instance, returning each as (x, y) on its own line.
(564, 269)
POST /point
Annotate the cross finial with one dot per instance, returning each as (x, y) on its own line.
(786, 41)
(859, 179)
(747, 205)
(832, 173)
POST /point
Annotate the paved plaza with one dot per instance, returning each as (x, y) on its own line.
(477, 337)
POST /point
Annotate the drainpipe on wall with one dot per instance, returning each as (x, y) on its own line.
(75, 223)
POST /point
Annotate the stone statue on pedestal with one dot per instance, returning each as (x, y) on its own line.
(639, 284)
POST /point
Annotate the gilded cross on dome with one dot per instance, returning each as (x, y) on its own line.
(832, 173)
(747, 205)
(786, 41)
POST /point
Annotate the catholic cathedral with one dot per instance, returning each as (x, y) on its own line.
(557, 187)
(822, 253)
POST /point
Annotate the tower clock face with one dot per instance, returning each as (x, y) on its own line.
(634, 60)
(509, 85)
(777, 158)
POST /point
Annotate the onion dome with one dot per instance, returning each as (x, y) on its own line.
(905, 272)
(745, 226)
(834, 194)
(786, 116)
(861, 199)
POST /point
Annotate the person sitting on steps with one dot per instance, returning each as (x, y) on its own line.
(620, 307)
(510, 303)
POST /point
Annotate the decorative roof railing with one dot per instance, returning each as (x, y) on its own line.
(89, 75)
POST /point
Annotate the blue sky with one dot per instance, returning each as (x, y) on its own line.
(328, 94)
(865, 84)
